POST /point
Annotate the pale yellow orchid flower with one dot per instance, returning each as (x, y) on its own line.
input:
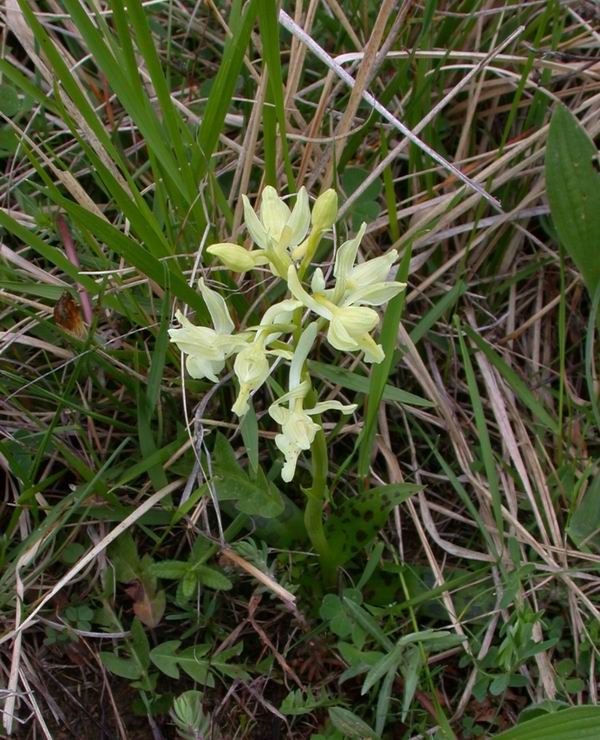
(251, 365)
(298, 430)
(278, 229)
(206, 348)
(345, 306)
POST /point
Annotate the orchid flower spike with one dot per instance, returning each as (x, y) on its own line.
(206, 348)
(298, 429)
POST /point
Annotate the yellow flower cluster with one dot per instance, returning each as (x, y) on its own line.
(285, 240)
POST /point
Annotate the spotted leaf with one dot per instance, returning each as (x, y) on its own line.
(357, 520)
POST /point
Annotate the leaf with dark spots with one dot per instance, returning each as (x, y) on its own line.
(356, 521)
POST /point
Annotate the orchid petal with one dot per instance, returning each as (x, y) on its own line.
(299, 220)
(217, 308)
(346, 255)
(193, 339)
(323, 406)
(199, 367)
(280, 313)
(357, 319)
(375, 295)
(339, 338)
(274, 213)
(317, 283)
(307, 300)
(376, 270)
(299, 391)
(255, 228)
(303, 348)
(241, 405)
(291, 453)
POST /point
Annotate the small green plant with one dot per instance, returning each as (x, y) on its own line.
(190, 719)
(192, 573)
(140, 664)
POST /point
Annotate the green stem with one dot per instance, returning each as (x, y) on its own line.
(313, 242)
(313, 513)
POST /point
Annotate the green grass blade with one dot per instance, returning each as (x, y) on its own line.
(269, 32)
(381, 372)
(485, 445)
(136, 255)
(223, 87)
(516, 384)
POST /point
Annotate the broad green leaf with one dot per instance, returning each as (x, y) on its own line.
(224, 455)
(72, 552)
(212, 578)
(359, 660)
(584, 525)
(193, 661)
(188, 584)
(332, 611)
(265, 499)
(366, 207)
(350, 724)
(249, 430)
(165, 659)
(9, 100)
(573, 185)
(361, 383)
(368, 623)
(221, 663)
(576, 722)
(140, 467)
(255, 498)
(169, 569)
(384, 696)
(140, 645)
(124, 557)
(411, 669)
(353, 178)
(123, 667)
(285, 530)
(356, 521)
(389, 662)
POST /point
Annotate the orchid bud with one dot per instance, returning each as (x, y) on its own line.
(236, 258)
(324, 212)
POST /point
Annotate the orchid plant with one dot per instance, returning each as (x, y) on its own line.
(284, 242)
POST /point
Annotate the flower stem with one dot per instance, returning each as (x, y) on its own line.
(312, 243)
(313, 513)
